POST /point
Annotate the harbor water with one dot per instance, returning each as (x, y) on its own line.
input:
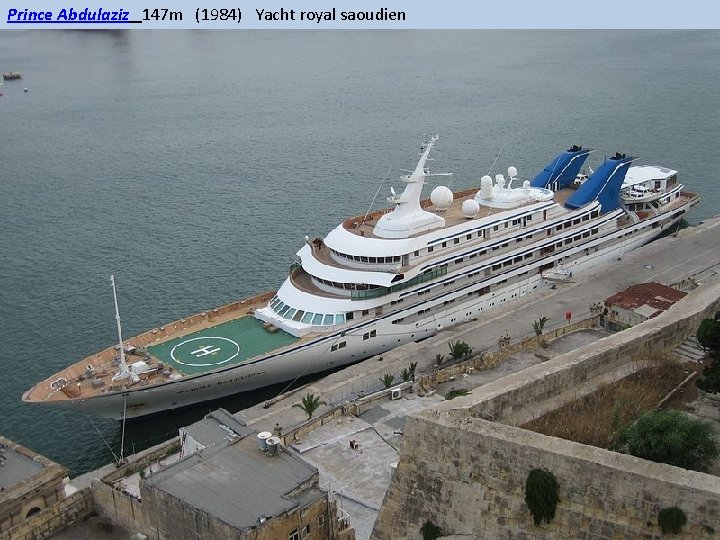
(191, 165)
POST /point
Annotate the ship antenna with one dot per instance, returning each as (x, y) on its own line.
(122, 372)
(376, 194)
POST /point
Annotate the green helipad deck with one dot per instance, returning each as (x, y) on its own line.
(223, 345)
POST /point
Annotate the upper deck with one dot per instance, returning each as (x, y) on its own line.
(365, 225)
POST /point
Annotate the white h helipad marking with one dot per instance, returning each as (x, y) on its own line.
(204, 351)
(207, 350)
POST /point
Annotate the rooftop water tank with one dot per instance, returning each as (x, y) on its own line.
(273, 444)
(262, 438)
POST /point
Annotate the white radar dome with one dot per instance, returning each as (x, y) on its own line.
(526, 184)
(470, 208)
(486, 186)
(441, 197)
(512, 172)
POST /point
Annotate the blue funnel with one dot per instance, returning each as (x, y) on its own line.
(562, 171)
(604, 185)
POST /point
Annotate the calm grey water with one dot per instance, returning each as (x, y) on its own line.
(191, 164)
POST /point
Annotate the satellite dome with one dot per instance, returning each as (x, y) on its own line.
(470, 208)
(441, 197)
(512, 172)
(486, 186)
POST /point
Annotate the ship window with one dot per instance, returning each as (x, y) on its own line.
(457, 240)
(528, 255)
(290, 314)
(373, 333)
(469, 236)
(328, 320)
(529, 218)
(516, 222)
(496, 267)
(363, 259)
(372, 259)
(417, 252)
(342, 344)
(366, 335)
(508, 262)
(496, 227)
(298, 315)
(317, 319)
(566, 224)
(333, 348)
(307, 318)
(278, 307)
(294, 535)
(340, 318)
(444, 244)
(495, 248)
(430, 249)
(458, 261)
(350, 315)
(365, 311)
(285, 309)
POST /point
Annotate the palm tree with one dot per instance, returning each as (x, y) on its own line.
(539, 324)
(310, 404)
(459, 349)
(387, 380)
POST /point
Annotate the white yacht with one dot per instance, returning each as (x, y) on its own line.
(383, 279)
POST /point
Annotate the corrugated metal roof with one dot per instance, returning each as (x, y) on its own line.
(656, 296)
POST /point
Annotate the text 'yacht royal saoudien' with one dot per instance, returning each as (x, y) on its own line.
(384, 279)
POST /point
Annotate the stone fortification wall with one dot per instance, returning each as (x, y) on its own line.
(525, 395)
(54, 519)
(123, 508)
(467, 474)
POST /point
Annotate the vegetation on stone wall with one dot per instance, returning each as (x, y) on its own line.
(542, 494)
(452, 394)
(708, 335)
(670, 437)
(430, 531)
(671, 520)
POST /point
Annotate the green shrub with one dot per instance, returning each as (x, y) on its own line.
(452, 394)
(542, 494)
(387, 380)
(671, 437)
(430, 531)
(671, 520)
(710, 380)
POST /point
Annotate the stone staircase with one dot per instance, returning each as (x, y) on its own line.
(690, 350)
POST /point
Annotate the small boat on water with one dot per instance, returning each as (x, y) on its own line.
(383, 279)
(11, 75)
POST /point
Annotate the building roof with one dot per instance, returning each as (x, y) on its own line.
(17, 465)
(238, 484)
(216, 427)
(647, 299)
